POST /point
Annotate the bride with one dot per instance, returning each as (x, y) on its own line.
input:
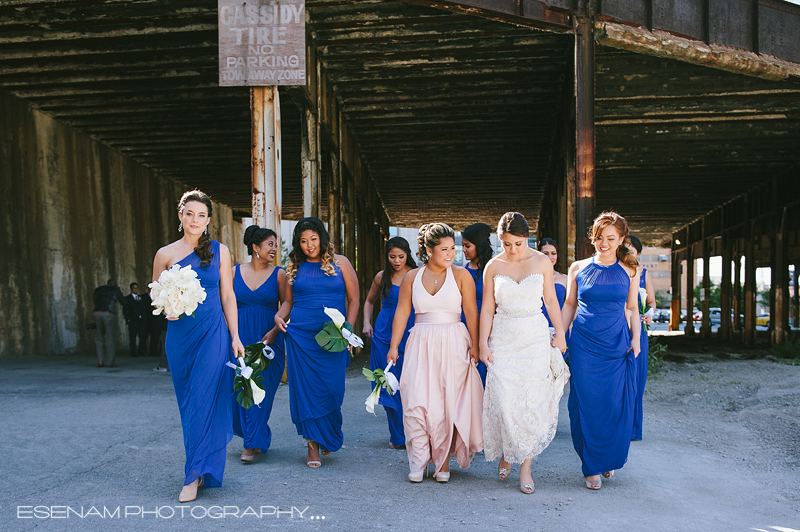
(526, 372)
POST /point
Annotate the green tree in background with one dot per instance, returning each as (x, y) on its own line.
(714, 300)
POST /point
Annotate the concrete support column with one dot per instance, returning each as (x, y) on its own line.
(309, 148)
(689, 290)
(779, 306)
(266, 161)
(725, 330)
(705, 327)
(749, 334)
(584, 134)
(675, 304)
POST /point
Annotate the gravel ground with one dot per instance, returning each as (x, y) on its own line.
(720, 453)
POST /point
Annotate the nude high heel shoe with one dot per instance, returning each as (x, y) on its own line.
(189, 491)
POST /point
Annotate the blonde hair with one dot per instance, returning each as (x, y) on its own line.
(297, 257)
(429, 237)
(327, 260)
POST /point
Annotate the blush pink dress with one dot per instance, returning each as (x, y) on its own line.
(442, 391)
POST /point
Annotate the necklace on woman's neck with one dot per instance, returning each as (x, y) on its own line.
(436, 279)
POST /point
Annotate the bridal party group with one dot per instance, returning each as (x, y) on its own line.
(482, 352)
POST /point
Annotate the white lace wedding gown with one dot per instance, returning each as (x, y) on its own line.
(527, 377)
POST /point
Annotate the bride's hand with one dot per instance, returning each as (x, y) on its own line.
(486, 355)
(560, 342)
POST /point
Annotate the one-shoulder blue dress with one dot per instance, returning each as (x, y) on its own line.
(257, 310)
(561, 294)
(197, 349)
(641, 370)
(316, 376)
(381, 340)
(477, 276)
(603, 386)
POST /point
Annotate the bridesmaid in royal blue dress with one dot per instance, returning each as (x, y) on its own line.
(550, 249)
(317, 278)
(602, 350)
(477, 249)
(197, 347)
(642, 361)
(386, 284)
(259, 288)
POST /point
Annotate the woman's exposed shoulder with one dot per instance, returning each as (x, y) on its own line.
(378, 277)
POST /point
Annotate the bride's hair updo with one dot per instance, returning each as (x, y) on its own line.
(513, 223)
(611, 218)
(326, 250)
(429, 237)
(203, 249)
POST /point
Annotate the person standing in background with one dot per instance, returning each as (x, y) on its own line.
(137, 311)
(104, 317)
(158, 338)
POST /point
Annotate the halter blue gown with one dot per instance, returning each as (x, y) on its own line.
(197, 349)
(381, 339)
(641, 371)
(316, 376)
(481, 367)
(561, 294)
(257, 310)
(603, 386)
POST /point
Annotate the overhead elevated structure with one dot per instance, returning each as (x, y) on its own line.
(457, 111)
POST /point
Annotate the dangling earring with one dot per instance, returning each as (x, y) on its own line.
(180, 227)
(206, 231)
(257, 255)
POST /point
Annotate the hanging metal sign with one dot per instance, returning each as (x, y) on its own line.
(262, 42)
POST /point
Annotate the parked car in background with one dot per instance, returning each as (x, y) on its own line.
(697, 315)
(715, 315)
(762, 320)
(661, 316)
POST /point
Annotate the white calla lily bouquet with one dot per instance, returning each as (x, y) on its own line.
(644, 308)
(383, 379)
(249, 381)
(337, 334)
(177, 292)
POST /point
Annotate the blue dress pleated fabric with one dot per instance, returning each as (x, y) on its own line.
(561, 294)
(257, 310)
(197, 349)
(641, 370)
(316, 376)
(478, 278)
(603, 386)
(381, 340)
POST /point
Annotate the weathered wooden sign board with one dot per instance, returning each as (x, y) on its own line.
(262, 42)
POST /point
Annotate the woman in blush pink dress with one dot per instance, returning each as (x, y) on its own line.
(442, 391)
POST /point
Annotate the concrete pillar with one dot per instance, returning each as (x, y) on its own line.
(779, 304)
(584, 134)
(725, 330)
(266, 161)
(689, 329)
(675, 304)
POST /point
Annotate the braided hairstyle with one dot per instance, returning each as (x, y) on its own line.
(203, 249)
(429, 237)
(255, 235)
(612, 218)
(400, 243)
(297, 257)
(479, 234)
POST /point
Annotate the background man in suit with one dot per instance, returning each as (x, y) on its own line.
(137, 315)
(105, 298)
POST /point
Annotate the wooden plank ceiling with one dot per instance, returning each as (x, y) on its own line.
(454, 115)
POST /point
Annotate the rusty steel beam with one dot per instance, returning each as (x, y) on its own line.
(266, 159)
(584, 135)
(530, 13)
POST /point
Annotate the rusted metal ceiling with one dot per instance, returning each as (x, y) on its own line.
(454, 115)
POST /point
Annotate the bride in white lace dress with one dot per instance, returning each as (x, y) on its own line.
(526, 372)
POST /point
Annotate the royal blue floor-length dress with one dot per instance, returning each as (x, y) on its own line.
(561, 294)
(257, 310)
(197, 349)
(642, 362)
(603, 386)
(477, 276)
(316, 376)
(381, 340)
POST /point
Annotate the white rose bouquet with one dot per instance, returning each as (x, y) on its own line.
(177, 292)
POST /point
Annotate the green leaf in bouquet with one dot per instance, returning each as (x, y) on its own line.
(330, 338)
(368, 374)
